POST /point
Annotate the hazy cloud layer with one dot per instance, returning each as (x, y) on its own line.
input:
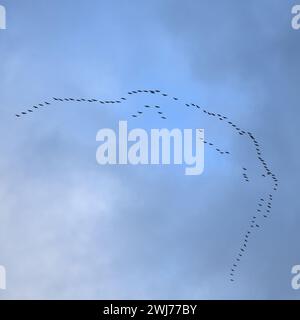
(72, 229)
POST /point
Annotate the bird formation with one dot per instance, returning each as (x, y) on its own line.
(213, 146)
(39, 106)
(245, 176)
(18, 115)
(264, 206)
(160, 113)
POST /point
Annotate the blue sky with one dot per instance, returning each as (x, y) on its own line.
(70, 228)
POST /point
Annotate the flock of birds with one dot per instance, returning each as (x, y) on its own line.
(160, 113)
(264, 205)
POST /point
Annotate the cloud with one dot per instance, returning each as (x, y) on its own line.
(72, 229)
